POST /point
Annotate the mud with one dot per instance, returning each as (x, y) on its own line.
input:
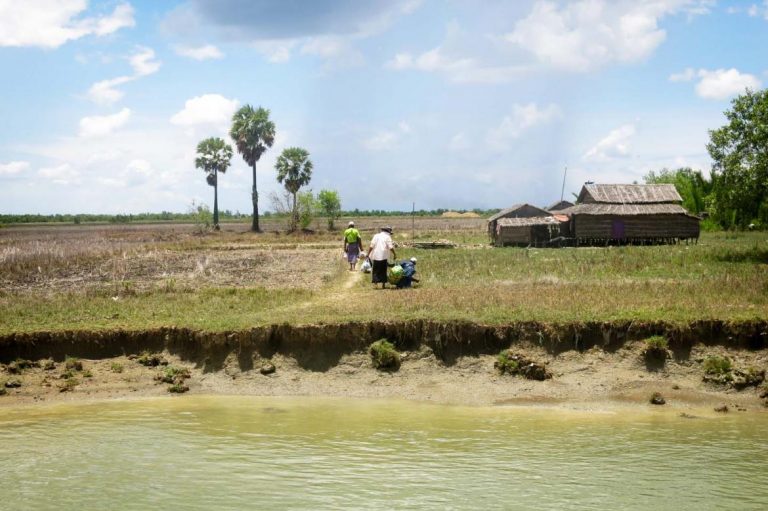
(448, 362)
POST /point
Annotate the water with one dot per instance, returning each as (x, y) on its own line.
(257, 453)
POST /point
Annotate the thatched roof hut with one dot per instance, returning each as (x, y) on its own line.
(557, 206)
(538, 230)
(516, 211)
(630, 214)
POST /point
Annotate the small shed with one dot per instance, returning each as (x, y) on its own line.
(537, 231)
(516, 211)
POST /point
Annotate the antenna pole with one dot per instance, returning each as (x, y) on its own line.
(562, 191)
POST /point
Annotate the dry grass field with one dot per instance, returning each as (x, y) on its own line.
(146, 276)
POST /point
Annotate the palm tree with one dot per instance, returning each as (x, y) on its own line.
(294, 170)
(213, 156)
(253, 133)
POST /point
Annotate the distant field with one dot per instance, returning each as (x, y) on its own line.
(140, 276)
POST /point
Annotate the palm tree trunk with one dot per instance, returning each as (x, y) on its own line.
(215, 199)
(294, 214)
(255, 200)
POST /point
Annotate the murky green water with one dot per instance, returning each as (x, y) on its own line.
(256, 453)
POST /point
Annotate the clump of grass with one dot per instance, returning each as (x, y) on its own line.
(717, 365)
(655, 352)
(87, 373)
(73, 364)
(384, 356)
(13, 383)
(512, 363)
(69, 384)
(151, 359)
(178, 388)
(48, 365)
(19, 365)
(173, 374)
(116, 367)
(2, 390)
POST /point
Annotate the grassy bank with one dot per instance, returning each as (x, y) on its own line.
(247, 280)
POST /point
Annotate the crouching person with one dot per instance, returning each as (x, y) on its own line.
(409, 271)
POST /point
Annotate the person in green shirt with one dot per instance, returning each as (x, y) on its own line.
(352, 245)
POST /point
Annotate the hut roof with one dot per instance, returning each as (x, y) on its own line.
(557, 206)
(505, 212)
(629, 194)
(625, 209)
(534, 220)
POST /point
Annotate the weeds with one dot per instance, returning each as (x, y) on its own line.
(151, 359)
(509, 362)
(173, 374)
(73, 364)
(116, 367)
(717, 366)
(69, 384)
(384, 356)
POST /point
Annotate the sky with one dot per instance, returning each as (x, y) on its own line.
(454, 104)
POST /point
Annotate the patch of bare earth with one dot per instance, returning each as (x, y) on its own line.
(591, 380)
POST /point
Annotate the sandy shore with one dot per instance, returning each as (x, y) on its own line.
(590, 380)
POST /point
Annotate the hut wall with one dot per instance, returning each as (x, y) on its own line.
(635, 226)
(509, 234)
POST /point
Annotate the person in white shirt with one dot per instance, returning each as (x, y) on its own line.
(379, 252)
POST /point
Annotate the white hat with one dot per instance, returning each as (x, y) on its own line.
(413, 259)
(351, 224)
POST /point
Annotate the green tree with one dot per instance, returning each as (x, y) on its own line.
(330, 206)
(307, 208)
(294, 170)
(739, 151)
(692, 186)
(253, 133)
(213, 156)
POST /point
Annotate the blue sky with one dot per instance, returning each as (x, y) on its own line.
(452, 104)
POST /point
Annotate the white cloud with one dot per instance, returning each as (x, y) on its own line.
(718, 83)
(62, 174)
(13, 167)
(105, 93)
(211, 109)
(100, 125)
(523, 118)
(51, 23)
(584, 35)
(459, 142)
(615, 145)
(388, 139)
(333, 48)
(206, 52)
(458, 69)
(143, 63)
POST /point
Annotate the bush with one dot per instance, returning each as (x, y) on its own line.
(172, 374)
(73, 364)
(716, 365)
(511, 363)
(116, 367)
(384, 356)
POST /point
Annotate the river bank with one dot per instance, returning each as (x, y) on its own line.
(592, 366)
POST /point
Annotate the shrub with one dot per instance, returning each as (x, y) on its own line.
(178, 388)
(151, 359)
(69, 384)
(717, 365)
(116, 367)
(515, 364)
(172, 374)
(384, 356)
(73, 364)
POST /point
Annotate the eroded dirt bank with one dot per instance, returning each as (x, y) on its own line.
(448, 362)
